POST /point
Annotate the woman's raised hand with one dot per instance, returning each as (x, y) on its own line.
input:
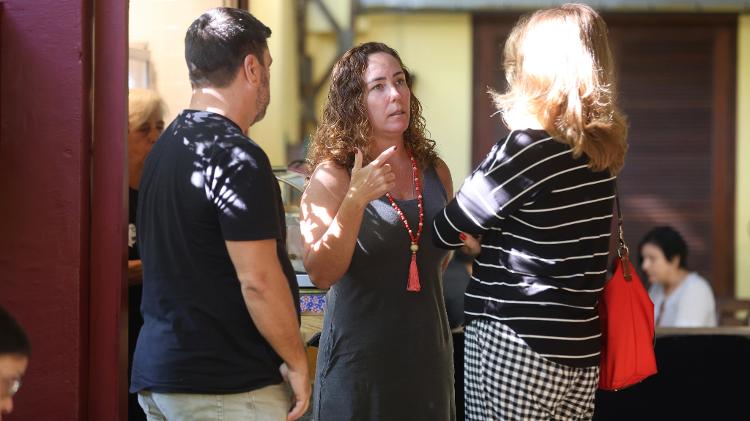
(374, 180)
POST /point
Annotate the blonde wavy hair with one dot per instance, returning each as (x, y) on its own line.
(344, 125)
(141, 104)
(560, 72)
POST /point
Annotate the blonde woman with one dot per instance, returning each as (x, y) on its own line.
(542, 202)
(145, 124)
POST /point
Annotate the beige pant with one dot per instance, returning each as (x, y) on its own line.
(270, 403)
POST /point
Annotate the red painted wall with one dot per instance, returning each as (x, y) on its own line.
(44, 193)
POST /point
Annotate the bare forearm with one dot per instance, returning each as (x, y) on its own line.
(327, 259)
(272, 310)
(135, 272)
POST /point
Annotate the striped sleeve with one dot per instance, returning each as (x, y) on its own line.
(511, 174)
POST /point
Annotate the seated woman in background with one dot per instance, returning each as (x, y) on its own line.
(681, 298)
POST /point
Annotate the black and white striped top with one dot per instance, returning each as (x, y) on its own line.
(544, 218)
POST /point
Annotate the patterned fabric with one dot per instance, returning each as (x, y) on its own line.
(506, 380)
(312, 302)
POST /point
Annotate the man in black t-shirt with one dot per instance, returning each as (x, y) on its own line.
(220, 299)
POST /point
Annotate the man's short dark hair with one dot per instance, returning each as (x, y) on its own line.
(13, 339)
(217, 43)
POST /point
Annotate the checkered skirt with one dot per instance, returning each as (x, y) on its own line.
(505, 380)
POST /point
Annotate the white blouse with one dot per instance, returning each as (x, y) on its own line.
(690, 305)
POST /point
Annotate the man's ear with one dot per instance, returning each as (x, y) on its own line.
(252, 69)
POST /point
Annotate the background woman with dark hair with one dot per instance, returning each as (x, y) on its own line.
(385, 350)
(681, 298)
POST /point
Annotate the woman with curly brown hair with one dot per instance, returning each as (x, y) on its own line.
(385, 351)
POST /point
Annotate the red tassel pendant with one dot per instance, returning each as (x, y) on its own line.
(413, 284)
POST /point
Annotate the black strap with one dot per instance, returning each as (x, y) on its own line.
(620, 233)
(622, 249)
(619, 212)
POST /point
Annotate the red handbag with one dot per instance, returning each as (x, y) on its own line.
(627, 319)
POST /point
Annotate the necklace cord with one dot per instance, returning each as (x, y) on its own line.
(412, 283)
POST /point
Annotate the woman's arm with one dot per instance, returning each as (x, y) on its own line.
(135, 272)
(331, 214)
(512, 171)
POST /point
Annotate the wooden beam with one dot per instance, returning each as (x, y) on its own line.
(722, 140)
(107, 347)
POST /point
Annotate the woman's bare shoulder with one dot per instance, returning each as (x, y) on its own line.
(444, 174)
(329, 176)
(330, 169)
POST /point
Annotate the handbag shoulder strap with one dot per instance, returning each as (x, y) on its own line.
(623, 252)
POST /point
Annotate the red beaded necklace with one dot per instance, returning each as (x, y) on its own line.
(413, 282)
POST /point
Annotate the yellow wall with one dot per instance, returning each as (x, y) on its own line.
(437, 48)
(281, 123)
(160, 25)
(742, 185)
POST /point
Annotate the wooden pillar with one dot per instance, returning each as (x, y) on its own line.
(107, 374)
(44, 189)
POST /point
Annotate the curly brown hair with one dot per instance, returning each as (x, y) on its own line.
(345, 126)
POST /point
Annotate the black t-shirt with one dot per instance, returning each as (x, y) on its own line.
(204, 183)
(135, 413)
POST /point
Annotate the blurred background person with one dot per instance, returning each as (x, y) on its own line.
(15, 351)
(145, 124)
(385, 351)
(681, 298)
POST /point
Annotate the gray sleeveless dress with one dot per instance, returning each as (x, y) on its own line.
(386, 353)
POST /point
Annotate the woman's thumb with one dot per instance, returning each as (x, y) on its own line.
(357, 160)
